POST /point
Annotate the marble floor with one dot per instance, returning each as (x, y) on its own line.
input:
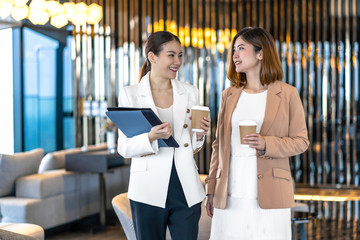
(336, 217)
(336, 212)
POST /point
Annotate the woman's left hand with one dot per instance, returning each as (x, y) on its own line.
(255, 140)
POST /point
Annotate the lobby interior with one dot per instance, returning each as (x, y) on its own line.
(57, 79)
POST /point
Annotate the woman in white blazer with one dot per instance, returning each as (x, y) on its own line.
(164, 188)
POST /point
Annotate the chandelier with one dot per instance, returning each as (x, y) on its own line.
(39, 12)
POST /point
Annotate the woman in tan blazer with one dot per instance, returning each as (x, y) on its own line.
(249, 188)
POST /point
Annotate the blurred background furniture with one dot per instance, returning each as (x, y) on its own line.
(21, 231)
(98, 162)
(300, 215)
(37, 189)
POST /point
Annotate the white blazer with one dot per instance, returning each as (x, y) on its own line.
(151, 166)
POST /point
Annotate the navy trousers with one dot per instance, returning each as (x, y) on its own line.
(150, 222)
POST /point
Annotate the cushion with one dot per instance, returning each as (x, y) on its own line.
(17, 165)
(47, 184)
(56, 160)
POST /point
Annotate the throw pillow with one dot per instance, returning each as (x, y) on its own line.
(15, 166)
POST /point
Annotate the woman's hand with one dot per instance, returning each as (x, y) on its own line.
(205, 125)
(162, 131)
(210, 205)
(255, 140)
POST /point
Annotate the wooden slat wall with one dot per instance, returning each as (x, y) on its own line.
(318, 43)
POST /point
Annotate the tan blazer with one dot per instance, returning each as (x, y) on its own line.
(285, 133)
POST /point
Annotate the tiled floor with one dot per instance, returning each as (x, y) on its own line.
(333, 220)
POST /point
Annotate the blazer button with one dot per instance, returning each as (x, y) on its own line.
(187, 110)
(185, 125)
(260, 176)
(186, 145)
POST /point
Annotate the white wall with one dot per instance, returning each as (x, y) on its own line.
(6, 93)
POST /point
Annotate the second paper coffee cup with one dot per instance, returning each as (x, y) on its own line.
(197, 114)
(246, 127)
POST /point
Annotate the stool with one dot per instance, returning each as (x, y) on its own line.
(121, 205)
(21, 231)
(304, 217)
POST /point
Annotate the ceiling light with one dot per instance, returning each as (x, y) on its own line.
(20, 3)
(5, 8)
(38, 16)
(59, 20)
(20, 12)
(53, 7)
(94, 14)
(81, 10)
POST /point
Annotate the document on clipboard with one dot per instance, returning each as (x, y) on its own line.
(135, 121)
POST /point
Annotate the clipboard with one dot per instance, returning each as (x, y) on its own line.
(135, 121)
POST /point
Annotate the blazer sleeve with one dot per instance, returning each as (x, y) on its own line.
(210, 181)
(136, 146)
(297, 141)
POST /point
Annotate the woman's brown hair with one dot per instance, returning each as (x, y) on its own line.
(271, 69)
(154, 44)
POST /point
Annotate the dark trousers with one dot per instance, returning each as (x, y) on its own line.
(150, 222)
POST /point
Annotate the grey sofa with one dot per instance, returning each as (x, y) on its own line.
(36, 189)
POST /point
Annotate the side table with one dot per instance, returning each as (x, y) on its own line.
(99, 162)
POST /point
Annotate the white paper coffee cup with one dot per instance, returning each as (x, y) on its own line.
(197, 114)
(246, 127)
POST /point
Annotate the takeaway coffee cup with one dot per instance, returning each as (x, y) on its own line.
(246, 127)
(197, 114)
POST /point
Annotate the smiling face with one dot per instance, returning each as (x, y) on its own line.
(168, 61)
(245, 58)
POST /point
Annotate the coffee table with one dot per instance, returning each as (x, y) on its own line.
(99, 162)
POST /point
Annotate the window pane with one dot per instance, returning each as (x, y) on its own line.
(68, 97)
(39, 91)
(6, 93)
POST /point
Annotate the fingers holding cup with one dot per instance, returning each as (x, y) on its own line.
(200, 119)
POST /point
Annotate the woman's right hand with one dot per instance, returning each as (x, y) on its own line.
(162, 131)
(210, 205)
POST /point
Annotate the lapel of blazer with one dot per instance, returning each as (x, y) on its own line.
(230, 104)
(272, 105)
(180, 103)
(145, 97)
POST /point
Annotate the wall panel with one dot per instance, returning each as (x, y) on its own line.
(318, 43)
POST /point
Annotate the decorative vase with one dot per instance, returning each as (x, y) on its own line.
(110, 140)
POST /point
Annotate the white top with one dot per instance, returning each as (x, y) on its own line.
(166, 115)
(243, 166)
(249, 107)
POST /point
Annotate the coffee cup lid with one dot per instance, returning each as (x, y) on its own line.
(197, 107)
(247, 123)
